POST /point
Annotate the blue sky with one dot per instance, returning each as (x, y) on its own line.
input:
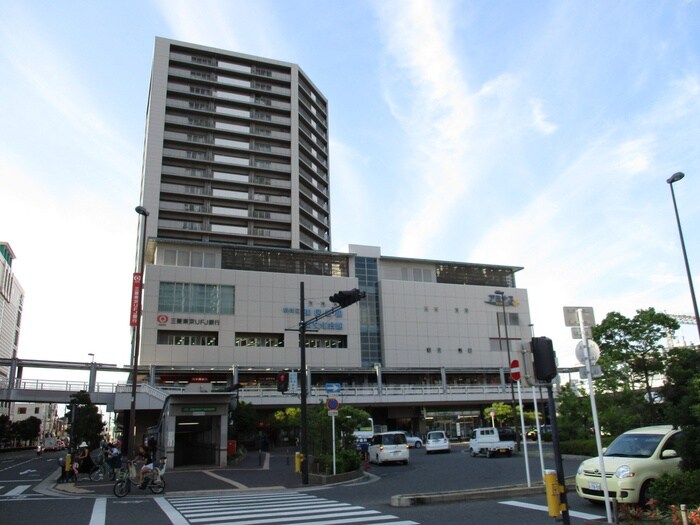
(536, 134)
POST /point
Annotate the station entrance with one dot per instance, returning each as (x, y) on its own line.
(193, 429)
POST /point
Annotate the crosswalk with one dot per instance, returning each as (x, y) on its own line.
(277, 508)
(17, 490)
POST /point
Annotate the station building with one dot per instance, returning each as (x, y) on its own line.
(236, 187)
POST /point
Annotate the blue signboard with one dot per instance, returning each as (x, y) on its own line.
(332, 388)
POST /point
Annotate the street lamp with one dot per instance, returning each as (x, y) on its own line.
(512, 391)
(131, 432)
(675, 178)
(92, 356)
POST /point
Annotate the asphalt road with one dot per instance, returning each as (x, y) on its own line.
(26, 494)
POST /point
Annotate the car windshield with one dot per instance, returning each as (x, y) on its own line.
(634, 445)
(435, 435)
(393, 439)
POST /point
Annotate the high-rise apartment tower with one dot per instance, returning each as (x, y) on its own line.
(236, 150)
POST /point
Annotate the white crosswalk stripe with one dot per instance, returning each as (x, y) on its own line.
(19, 489)
(277, 508)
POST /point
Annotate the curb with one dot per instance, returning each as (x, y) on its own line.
(407, 500)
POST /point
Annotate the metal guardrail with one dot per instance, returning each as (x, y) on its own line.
(260, 392)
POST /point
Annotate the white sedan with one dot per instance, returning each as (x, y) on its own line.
(437, 441)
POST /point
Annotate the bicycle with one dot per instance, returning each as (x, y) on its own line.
(129, 475)
(102, 469)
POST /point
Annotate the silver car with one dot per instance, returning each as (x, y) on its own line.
(437, 441)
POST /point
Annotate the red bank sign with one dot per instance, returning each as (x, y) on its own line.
(135, 299)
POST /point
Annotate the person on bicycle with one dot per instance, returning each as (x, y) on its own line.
(145, 458)
(114, 456)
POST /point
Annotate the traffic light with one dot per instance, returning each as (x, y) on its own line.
(347, 297)
(544, 359)
(282, 381)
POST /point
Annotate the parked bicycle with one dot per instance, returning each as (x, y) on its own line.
(102, 469)
(129, 475)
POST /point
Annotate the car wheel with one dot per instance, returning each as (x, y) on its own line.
(488, 454)
(418, 444)
(472, 453)
(644, 495)
(376, 460)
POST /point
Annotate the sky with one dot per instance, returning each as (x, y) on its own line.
(533, 134)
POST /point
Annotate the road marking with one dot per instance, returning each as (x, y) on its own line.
(99, 512)
(226, 480)
(26, 471)
(532, 506)
(19, 489)
(280, 507)
(14, 465)
(173, 515)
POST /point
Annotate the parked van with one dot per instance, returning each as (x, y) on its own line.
(388, 446)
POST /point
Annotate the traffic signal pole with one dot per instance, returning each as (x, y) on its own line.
(342, 300)
(302, 378)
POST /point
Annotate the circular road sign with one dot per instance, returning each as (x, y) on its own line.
(332, 403)
(593, 352)
(515, 370)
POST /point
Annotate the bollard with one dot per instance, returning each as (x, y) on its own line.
(287, 456)
(297, 462)
(552, 487)
(259, 457)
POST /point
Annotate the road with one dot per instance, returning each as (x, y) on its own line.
(24, 497)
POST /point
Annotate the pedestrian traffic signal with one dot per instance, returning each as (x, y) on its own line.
(347, 297)
(544, 359)
(282, 381)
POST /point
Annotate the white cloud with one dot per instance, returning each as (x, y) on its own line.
(539, 118)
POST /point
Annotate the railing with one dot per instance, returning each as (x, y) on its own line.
(315, 391)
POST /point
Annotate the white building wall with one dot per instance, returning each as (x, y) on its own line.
(417, 316)
(264, 303)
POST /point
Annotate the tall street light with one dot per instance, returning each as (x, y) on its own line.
(136, 322)
(512, 390)
(675, 178)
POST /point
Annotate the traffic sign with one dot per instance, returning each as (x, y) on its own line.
(593, 352)
(332, 388)
(571, 315)
(332, 403)
(576, 332)
(515, 370)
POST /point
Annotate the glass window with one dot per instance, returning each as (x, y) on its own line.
(169, 257)
(196, 298)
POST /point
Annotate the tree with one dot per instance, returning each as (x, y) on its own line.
(574, 411)
(4, 427)
(242, 424)
(632, 355)
(681, 401)
(88, 421)
(502, 412)
(27, 429)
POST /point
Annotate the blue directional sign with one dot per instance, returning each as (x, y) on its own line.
(332, 388)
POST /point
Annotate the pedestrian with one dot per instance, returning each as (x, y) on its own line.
(81, 459)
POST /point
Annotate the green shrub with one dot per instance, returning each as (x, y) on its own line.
(583, 447)
(345, 461)
(677, 488)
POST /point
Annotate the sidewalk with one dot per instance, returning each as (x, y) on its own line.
(257, 471)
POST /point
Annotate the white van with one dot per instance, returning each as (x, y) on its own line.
(388, 446)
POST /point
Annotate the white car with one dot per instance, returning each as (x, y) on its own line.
(632, 462)
(388, 447)
(413, 441)
(436, 441)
